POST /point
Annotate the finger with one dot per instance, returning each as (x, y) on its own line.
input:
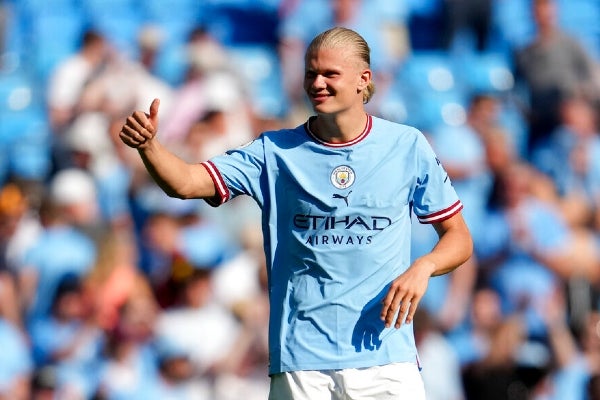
(405, 305)
(391, 304)
(154, 112)
(128, 140)
(412, 310)
(140, 119)
(141, 126)
(138, 134)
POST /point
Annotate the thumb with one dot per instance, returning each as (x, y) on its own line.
(154, 112)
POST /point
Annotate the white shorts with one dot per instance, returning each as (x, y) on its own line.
(386, 382)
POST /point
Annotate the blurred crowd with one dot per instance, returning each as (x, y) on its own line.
(111, 290)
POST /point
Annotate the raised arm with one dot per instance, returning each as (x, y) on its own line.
(175, 176)
(453, 248)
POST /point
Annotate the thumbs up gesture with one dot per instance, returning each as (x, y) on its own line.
(140, 128)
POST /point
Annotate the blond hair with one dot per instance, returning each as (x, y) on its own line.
(343, 37)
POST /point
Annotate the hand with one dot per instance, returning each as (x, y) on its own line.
(405, 293)
(140, 127)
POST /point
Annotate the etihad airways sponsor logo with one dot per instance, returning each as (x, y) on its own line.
(349, 230)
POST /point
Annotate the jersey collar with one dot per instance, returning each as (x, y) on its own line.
(357, 139)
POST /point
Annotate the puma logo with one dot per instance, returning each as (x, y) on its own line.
(339, 196)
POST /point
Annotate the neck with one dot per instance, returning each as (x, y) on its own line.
(339, 128)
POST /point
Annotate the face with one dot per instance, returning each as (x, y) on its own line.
(334, 80)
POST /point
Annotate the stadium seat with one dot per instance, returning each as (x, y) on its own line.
(513, 22)
(485, 72)
(427, 71)
(393, 106)
(53, 38)
(172, 64)
(177, 19)
(25, 140)
(16, 91)
(239, 25)
(580, 19)
(259, 67)
(120, 31)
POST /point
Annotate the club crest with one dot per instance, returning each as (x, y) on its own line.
(342, 177)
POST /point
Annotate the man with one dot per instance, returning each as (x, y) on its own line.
(554, 66)
(336, 194)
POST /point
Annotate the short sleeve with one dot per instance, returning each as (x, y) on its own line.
(238, 171)
(434, 198)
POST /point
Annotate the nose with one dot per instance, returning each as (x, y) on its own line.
(319, 82)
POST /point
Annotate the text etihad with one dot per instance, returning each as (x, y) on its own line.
(327, 222)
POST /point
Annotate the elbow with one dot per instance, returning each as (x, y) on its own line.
(178, 195)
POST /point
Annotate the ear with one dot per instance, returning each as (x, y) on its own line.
(364, 79)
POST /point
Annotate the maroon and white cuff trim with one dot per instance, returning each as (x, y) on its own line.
(221, 188)
(442, 214)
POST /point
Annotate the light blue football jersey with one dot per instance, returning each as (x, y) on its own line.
(336, 224)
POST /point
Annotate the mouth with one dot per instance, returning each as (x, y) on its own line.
(319, 97)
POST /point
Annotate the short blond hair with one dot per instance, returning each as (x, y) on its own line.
(344, 37)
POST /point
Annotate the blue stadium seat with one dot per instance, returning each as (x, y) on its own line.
(120, 30)
(177, 18)
(54, 37)
(580, 19)
(485, 72)
(172, 64)
(15, 34)
(172, 10)
(393, 106)
(513, 22)
(243, 25)
(431, 110)
(260, 69)
(427, 71)
(25, 144)
(16, 91)
(40, 8)
(110, 7)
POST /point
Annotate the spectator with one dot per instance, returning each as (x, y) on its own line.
(208, 85)
(129, 366)
(176, 375)
(500, 375)
(473, 340)
(62, 247)
(204, 328)
(528, 247)
(467, 164)
(66, 86)
(570, 156)
(576, 357)
(437, 354)
(16, 368)
(19, 228)
(470, 18)
(553, 67)
(114, 276)
(68, 339)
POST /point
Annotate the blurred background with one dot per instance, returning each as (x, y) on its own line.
(111, 290)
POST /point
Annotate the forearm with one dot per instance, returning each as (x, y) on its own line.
(453, 249)
(173, 175)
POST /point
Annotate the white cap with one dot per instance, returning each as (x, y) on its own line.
(89, 133)
(72, 186)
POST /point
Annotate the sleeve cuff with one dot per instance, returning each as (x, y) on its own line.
(441, 215)
(222, 191)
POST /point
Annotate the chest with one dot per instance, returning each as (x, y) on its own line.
(345, 181)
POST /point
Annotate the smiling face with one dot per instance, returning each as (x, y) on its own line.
(334, 80)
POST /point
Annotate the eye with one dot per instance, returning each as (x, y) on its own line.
(309, 75)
